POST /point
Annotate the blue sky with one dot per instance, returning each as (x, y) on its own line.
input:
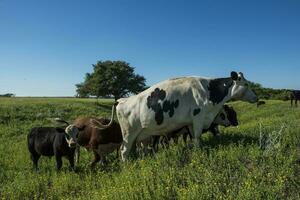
(46, 47)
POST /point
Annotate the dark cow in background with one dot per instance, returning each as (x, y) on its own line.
(259, 103)
(52, 141)
(295, 95)
(100, 142)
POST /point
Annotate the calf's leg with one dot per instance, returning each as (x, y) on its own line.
(104, 149)
(215, 131)
(71, 161)
(155, 142)
(35, 158)
(77, 154)
(165, 141)
(96, 159)
(58, 161)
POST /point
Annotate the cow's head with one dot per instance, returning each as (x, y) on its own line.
(226, 117)
(240, 89)
(71, 134)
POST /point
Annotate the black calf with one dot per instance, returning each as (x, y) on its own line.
(49, 141)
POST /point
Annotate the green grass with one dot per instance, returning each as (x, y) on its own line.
(239, 164)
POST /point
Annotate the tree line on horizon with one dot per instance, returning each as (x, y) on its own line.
(117, 79)
(7, 95)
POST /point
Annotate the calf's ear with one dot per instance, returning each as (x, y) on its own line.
(234, 75)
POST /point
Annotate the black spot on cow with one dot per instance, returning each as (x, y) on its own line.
(176, 104)
(152, 100)
(159, 116)
(196, 111)
(155, 105)
(218, 89)
(169, 107)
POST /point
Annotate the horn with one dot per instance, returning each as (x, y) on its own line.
(68, 129)
(61, 120)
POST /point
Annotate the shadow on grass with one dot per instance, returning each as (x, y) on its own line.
(229, 139)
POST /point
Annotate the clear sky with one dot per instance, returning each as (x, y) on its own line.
(46, 47)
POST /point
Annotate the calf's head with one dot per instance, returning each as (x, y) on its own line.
(226, 117)
(240, 89)
(222, 119)
(231, 115)
(71, 134)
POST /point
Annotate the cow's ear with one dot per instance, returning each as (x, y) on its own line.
(234, 75)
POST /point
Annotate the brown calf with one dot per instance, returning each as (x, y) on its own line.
(101, 142)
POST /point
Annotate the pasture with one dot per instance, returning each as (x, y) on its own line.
(259, 159)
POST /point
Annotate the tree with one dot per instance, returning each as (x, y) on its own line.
(7, 95)
(269, 93)
(111, 78)
(83, 89)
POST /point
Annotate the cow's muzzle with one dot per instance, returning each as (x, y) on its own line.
(72, 145)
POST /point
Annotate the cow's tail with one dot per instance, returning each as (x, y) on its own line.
(61, 121)
(98, 125)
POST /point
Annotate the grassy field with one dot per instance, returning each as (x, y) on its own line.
(259, 159)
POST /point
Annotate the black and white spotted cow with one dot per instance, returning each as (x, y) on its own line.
(175, 103)
(295, 95)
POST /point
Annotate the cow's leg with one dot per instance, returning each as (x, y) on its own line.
(215, 131)
(77, 154)
(155, 142)
(129, 145)
(184, 137)
(127, 149)
(58, 162)
(35, 158)
(104, 149)
(165, 141)
(197, 129)
(175, 139)
(190, 134)
(187, 133)
(117, 155)
(96, 159)
(71, 161)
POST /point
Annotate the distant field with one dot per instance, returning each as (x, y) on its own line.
(259, 159)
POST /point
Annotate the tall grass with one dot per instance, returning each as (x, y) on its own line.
(259, 159)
